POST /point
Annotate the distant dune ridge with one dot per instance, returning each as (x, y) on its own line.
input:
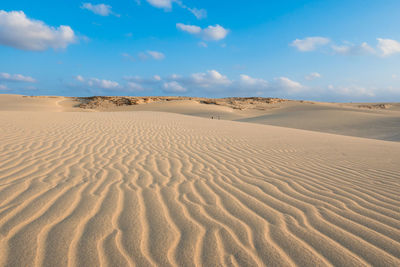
(149, 185)
(369, 120)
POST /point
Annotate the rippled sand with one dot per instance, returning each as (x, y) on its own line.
(159, 189)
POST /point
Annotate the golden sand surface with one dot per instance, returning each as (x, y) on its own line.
(153, 186)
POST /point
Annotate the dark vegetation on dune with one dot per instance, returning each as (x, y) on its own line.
(94, 102)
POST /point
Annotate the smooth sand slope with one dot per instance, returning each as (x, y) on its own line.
(370, 120)
(159, 189)
(345, 119)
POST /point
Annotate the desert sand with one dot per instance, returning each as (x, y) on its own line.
(162, 184)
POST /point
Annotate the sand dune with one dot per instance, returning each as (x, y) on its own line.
(342, 119)
(369, 120)
(152, 188)
(37, 103)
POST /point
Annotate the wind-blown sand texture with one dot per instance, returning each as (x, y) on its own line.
(149, 188)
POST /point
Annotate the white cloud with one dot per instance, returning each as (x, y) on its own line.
(210, 81)
(215, 33)
(286, 84)
(248, 81)
(98, 83)
(147, 81)
(353, 91)
(388, 46)
(209, 78)
(310, 43)
(166, 4)
(80, 78)
(156, 55)
(211, 33)
(16, 78)
(99, 9)
(350, 49)
(312, 76)
(105, 84)
(173, 87)
(214, 82)
(3, 87)
(192, 29)
(18, 31)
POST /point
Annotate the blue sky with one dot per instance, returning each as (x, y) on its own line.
(328, 50)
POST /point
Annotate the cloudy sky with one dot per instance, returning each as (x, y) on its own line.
(328, 50)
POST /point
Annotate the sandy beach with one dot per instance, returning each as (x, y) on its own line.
(163, 184)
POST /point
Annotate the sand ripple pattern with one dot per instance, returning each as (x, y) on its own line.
(157, 189)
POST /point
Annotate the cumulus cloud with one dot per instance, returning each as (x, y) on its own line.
(173, 87)
(288, 85)
(388, 46)
(3, 87)
(215, 33)
(132, 84)
(213, 82)
(99, 9)
(352, 91)
(312, 76)
(18, 31)
(247, 81)
(209, 78)
(310, 43)
(105, 84)
(208, 82)
(16, 78)
(211, 33)
(351, 49)
(98, 83)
